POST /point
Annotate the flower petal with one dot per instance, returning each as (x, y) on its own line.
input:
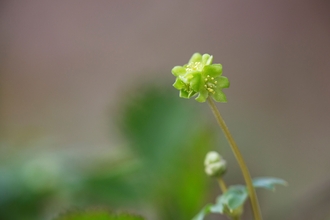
(196, 57)
(191, 94)
(219, 96)
(178, 84)
(184, 94)
(207, 59)
(202, 96)
(223, 82)
(196, 82)
(213, 70)
(178, 70)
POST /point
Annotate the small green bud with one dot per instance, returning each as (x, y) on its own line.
(215, 165)
(200, 77)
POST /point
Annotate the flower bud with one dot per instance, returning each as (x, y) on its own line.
(215, 165)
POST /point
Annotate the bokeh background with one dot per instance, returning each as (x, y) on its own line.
(88, 116)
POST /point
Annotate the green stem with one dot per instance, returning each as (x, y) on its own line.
(240, 160)
(222, 185)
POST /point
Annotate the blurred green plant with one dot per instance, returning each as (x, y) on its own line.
(97, 215)
(157, 169)
(159, 131)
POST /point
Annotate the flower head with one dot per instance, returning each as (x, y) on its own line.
(215, 165)
(202, 78)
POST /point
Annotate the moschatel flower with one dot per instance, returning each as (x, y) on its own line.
(202, 78)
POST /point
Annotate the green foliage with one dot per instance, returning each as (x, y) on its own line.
(200, 77)
(97, 215)
(268, 182)
(233, 198)
(206, 210)
(160, 133)
(231, 202)
(157, 168)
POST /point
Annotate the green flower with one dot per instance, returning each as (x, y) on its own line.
(202, 78)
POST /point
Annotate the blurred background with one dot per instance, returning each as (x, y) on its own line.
(89, 117)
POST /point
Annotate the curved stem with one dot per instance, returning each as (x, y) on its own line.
(240, 160)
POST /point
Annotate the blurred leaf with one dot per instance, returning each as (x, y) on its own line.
(201, 215)
(186, 185)
(155, 122)
(236, 195)
(119, 184)
(171, 139)
(233, 198)
(97, 215)
(268, 182)
(163, 169)
(230, 203)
